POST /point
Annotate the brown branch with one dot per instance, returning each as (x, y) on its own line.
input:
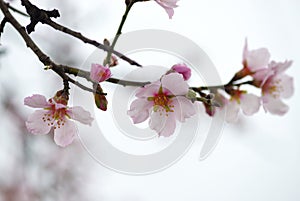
(84, 39)
(45, 19)
(41, 55)
(18, 11)
(86, 75)
(2, 25)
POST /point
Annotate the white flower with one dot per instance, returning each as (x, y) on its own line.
(248, 103)
(55, 115)
(164, 102)
(275, 86)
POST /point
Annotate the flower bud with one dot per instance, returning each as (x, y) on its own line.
(182, 69)
(99, 73)
(100, 100)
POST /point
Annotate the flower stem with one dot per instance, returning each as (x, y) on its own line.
(119, 32)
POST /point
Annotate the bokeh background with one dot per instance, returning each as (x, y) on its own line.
(255, 159)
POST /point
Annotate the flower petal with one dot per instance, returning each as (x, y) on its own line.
(164, 125)
(232, 111)
(275, 106)
(148, 91)
(183, 108)
(262, 75)
(35, 123)
(36, 101)
(168, 5)
(250, 103)
(99, 73)
(64, 135)
(79, 114)
(182, 69)
(280, 67)
(256, 59)
(175, 83)
(287, 83)
(139, 110)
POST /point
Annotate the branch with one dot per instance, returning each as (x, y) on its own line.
(119, 31)
(45, 19)
(86, 75)
(84, 39)
(18, 11)
(41, 55)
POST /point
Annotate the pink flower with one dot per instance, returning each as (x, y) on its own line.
(182, 69)
(165, 102)
(275, 86)
(255, 60)
(55, 115)
(168, 5)
(248, 103)
(100, 73)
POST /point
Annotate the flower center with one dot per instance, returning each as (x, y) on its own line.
(162, 101)
(55, 117)
(275, 88)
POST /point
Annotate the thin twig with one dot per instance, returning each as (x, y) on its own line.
(18, 11)
(41, 55)
(86, 75)
(119, 31)
(81, 37)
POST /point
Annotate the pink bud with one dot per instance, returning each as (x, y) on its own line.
(183, 70)
(99, 73)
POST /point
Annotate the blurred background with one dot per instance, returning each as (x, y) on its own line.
(256, 159)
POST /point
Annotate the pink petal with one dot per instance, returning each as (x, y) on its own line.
(280, 67)
(245, 51)
(170, 12)
(275, 106)
(99, 73)
(175, 83)
(79, 114)
(287, 84)
(64, 135)
(232, 111)
(168, 5)
(139, 110)
(263, 74)
(59, 105)
(36, 101)
(164, 125)
(35, 123)
(148, 90)
(255, 59)
(250, 104)
(183, 108)
(182, 69)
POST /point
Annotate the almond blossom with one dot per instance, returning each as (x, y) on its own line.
(182, 69)
(255, 60)
(248, 103)
(275, 86)
(164, 102)
(55, 114)
(168, 5)
(99, 73)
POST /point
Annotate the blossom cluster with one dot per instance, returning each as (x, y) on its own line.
(268, 76)
(170, 99)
